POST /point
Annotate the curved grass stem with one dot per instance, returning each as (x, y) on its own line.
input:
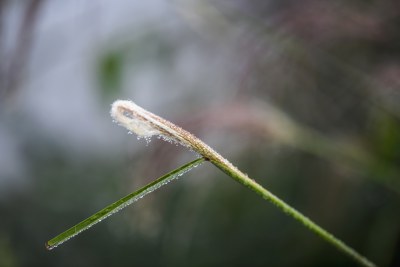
(145, 123)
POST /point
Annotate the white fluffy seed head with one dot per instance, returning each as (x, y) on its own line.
(134, 118)
(146, 124)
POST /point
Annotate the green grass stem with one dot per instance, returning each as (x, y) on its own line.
(264, 193)
(146, 124)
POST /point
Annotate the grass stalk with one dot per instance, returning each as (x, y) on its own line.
(146, 124)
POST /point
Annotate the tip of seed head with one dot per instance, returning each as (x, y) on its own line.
(134, 118)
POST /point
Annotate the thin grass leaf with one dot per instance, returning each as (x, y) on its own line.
(120, 204)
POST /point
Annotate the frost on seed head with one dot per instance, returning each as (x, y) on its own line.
(134, 118)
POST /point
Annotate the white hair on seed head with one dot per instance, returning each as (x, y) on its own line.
(134, 118)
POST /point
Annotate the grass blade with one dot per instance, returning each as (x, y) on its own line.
(120, 204)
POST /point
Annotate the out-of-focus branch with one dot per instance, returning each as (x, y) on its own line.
(13, 70)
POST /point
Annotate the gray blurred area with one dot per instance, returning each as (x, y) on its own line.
(303, 96)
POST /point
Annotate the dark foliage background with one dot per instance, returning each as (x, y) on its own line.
(304, 96)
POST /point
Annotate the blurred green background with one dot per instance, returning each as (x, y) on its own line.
(303, 96)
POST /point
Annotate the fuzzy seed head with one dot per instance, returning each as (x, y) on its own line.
(134, 118)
